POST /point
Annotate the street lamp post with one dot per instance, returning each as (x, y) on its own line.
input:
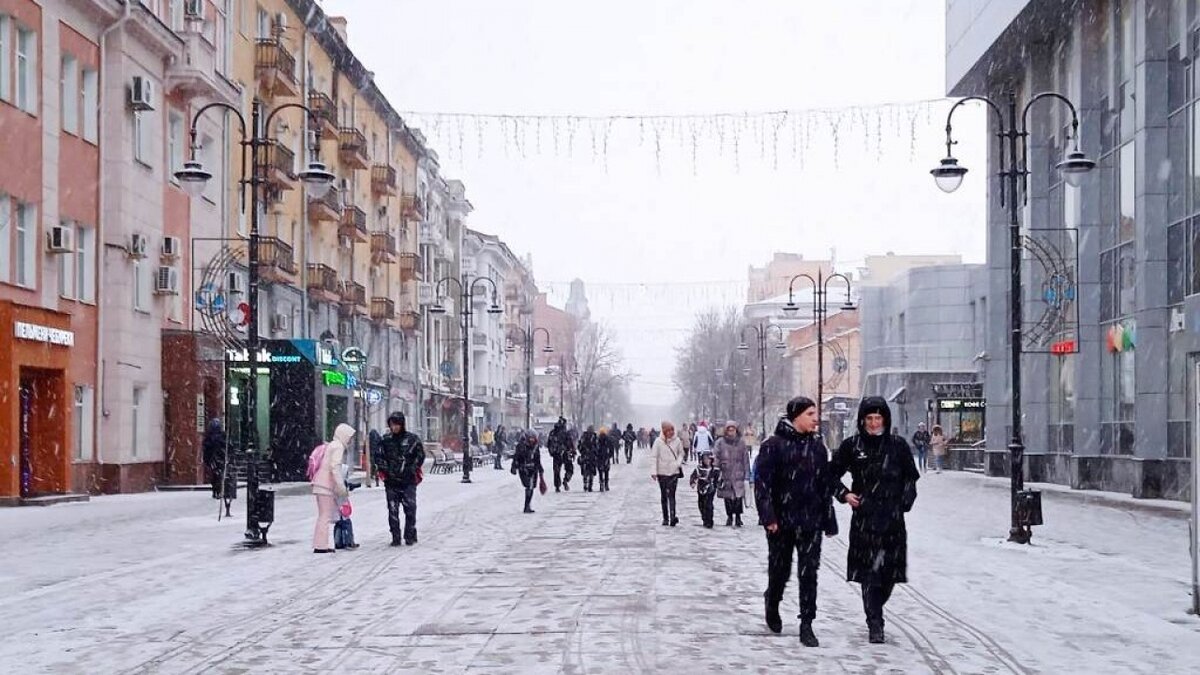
(820, 302)
(467, 289)
(527, 339)
(193, 177)
(761, 332)
(1013, 135)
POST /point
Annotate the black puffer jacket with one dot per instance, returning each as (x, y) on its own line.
(400, 455)
(791, 485)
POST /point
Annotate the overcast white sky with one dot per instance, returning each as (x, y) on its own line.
(648, 232)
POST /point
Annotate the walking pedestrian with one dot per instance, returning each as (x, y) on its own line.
(642, 436)
(589, 450)
(488, 438)
(500, 440)
(668, 469)
(214, 449)
(794, 507)
(705, 478)
(607, 444)
(939, 444)
(652, 437)
(921, 442)
(557, 443)
(685, 438)
(702, 440)
(527, 464)
(401, 455)
(629, 437)
(883, 488)
(615, 442)
(733, 458)
(327, 474)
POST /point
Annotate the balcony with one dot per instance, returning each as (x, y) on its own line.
(325, 111)
(410, 267)
(408, 319)
(412, 207)
(383, 309)
(327, 209)
(323, 282)
(276, 261)
(354, 224)
(280, 163)
(196, 74)
(383, 180)
(383, 247)
(353, 298)
(275, 68)
(352, 147)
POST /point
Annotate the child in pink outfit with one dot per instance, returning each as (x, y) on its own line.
(329, 486)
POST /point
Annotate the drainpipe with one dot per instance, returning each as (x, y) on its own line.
(306, 240)
(101, 249)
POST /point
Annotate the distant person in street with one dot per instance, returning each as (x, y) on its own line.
(589, 451)
(685, 438)
(642, 437)
(705, 479)
(527, 465)
(883, 488)
(702, 440)
(214, 449)
(733, 458)
(328, 479)
(939, 444)
(792, 492)
(921, 443)
(608, 443)
(401, 455)
(630, 437)
(489, 442)
(668, 469)
(500, 439)
(559, 443)
(652, 436)
(615, 442)
(373, 441)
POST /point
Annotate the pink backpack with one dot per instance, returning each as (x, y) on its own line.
(315, 460)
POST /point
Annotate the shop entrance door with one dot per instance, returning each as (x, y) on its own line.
(337, 411)
(40, 426)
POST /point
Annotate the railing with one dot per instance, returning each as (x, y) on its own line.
(354, 293)
(410, 267)
(281, 158)
(323, 107)
(408, 319)
(328, 207)
(383, 245)
(322, 277)
(354, 222)
(383, 179)
(353, 146)
(383, 309)
(270, 53)
(412, 207)
(274, 252)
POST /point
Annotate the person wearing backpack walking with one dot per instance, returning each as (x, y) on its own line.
(527, 464)
(327, 473)
(401, 455)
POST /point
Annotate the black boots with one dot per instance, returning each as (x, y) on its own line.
(806, 635)
(737, 520)
(396, 541)
(528, 499)
(875, 635)
(774, 621)
(728, 521)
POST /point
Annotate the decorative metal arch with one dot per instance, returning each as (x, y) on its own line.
(1055, 257)
(212, 297)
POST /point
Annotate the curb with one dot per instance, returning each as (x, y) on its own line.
(1112, 500)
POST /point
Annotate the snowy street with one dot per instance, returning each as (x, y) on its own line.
(591, 583)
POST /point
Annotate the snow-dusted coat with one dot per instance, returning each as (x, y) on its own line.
(734, 461)
(668, 456)
(330, 479)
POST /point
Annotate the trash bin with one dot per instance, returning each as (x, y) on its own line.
(264, 508)
(1029, 508)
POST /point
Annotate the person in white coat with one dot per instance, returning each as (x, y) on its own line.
(668, 463)
(329, 485)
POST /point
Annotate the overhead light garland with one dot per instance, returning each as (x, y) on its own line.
(771, 137)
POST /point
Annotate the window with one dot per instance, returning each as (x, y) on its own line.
(85, 421)
(26, 245)
(5, 58)
(175, 144)
(263, 26)
(90, 85)
(177, 16)
(27, 91)
(135, 417)
(85, 263)
(66, 266)
(70, 94)
(141, 138)
(206, 153)
(141, 274)
(1127, 216)
(5, 236)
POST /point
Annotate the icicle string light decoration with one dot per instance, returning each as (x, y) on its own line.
(694, 138)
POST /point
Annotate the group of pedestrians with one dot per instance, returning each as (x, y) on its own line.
(925, 443)
(796, 483)
(721, 471)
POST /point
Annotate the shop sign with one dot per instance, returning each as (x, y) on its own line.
(1063, 347)
(39, 333)
(354, 356)
(264, 356)
(960, 404)
(333, 378)
(325, 356)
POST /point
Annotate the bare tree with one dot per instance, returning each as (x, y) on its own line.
(601, 379)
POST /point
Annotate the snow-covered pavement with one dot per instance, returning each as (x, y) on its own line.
(591, 583)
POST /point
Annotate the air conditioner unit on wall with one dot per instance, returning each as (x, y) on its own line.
(1178, 319)
(166, 282)
(193, 10)
(59, 239)
(170, 247)
(137, 245)
(234, 284)
(141, 94)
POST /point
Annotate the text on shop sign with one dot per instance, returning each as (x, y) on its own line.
(38, 333)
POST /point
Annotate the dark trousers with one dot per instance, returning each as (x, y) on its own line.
(603, 471)
(402, 495)
(628, 452)
(807, 546)
(497, 453)
(706, 508)
(666, 494)
(874, 598)
(733, 507)
(559, 465)
(529, 481)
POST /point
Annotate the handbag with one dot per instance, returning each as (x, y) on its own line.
(542, 484)
(346, 509)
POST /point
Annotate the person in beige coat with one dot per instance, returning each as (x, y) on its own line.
(329, 485)
(668, 469)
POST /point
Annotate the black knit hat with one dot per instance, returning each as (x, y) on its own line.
(797, 406)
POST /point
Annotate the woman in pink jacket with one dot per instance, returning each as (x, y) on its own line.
(329, 485)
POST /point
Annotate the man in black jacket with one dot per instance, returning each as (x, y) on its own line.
(401, 455)
(559, 443)
(527, 464)
(629, 437)
(795, 506)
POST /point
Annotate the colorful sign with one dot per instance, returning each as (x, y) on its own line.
(333, 378)
(1120, 338)
(264, 356)
(1063, 347)
(39, 333)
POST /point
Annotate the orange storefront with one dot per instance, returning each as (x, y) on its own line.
(35, 402)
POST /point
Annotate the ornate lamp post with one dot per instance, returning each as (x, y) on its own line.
(820, 302)
(467, 289)
(527, 338)
(317, 180)
(761, 332)
(1012, 132)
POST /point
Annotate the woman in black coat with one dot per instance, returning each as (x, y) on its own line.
(883, 489)
(215, 451)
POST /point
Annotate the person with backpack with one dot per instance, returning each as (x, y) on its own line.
(558, 444)
(629, 437)
(327, 474)
(401, 456)
(608, 443)
(589, 451)
(527, 464)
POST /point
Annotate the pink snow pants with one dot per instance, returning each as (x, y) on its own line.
(326, 514)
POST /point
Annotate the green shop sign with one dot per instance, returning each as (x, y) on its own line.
(333, 378)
